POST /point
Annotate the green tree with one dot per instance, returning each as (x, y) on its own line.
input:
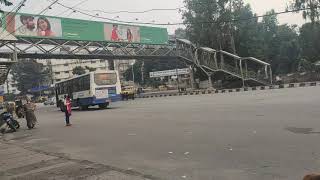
(247, 34)
(288, 51)
(205, 22)
(6, 2)
(29, 74)
(180, 33)
(279, 44)
(312, 11)
(78, 70)
(91, 69)
(309, 41)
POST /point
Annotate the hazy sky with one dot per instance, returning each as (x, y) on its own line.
(258, 6)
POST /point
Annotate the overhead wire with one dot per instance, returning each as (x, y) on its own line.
(149, 10)
(74, 6)
(186, 23)
(133, 12)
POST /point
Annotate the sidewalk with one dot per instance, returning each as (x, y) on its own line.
(24, 164)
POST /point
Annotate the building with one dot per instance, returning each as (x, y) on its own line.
(61, 69)
(122, 66)
(10, 86)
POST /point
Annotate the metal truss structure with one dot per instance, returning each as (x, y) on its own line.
(70, 49)
(250, 70)
(209, 60)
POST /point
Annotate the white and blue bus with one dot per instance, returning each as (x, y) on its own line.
(91, 89)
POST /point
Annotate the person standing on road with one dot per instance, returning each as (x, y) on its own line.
(67, 104)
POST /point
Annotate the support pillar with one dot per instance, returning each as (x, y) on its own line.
(111, 64)
(216, 60)
(222, 61)
(192, 81)
(242, 75)
(246, 66)
(210, 80)
(271, 75)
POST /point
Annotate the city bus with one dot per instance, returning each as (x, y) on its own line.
(91, 89)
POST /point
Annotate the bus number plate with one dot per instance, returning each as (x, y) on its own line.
(103, 93)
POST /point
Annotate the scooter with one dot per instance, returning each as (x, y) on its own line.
(7, 120)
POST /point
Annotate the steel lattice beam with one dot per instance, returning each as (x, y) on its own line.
(67, 49)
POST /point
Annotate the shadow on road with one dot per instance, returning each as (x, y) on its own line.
(95, 109)
(297, 130)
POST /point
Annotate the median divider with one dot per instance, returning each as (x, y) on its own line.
(216, 91)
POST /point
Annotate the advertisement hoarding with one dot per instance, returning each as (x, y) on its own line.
(28, 25)
(173, 72)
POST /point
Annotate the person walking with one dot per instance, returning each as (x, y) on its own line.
(31, 118)
(67, 104)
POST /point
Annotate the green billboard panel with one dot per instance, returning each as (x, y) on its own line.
(82, 30)
(27, 25)
(153, 35)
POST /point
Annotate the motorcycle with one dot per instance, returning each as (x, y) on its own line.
(6, 119)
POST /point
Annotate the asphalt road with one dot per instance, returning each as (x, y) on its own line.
(261, 135)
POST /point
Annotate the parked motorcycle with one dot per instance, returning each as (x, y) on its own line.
(7, 121)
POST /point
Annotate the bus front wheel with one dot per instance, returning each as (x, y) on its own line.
(103, 106)
(82, 108)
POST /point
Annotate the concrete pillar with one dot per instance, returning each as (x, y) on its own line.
(242, 75)
(192, 81)
(210, 80)
(111, 64)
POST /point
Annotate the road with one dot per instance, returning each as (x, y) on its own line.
(262, 135)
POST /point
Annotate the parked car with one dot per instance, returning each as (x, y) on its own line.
(49, 102)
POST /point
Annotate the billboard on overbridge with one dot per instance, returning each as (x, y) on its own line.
(28, 25)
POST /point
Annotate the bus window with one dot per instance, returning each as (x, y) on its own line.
(105, 79)
(86, 82)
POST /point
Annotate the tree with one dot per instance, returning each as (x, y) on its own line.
(311, 7)
(309, 41)
(180, 33)
(29, 74)
(205, 22)
(278, 44)
(287, 52)
(91, 69)
(78, 70)
(6, 2)
(247, 34)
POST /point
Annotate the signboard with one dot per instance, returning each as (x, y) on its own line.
(1, 90)
(28, 25)
(172, 72)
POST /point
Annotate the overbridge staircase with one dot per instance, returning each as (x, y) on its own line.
(225, 66)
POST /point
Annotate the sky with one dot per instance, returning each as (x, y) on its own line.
(163, 17)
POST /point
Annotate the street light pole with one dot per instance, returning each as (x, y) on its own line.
(132, 74)
(178, 83)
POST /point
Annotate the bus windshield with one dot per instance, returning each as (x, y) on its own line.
(105, 79)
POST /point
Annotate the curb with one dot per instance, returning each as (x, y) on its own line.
(222, 91)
